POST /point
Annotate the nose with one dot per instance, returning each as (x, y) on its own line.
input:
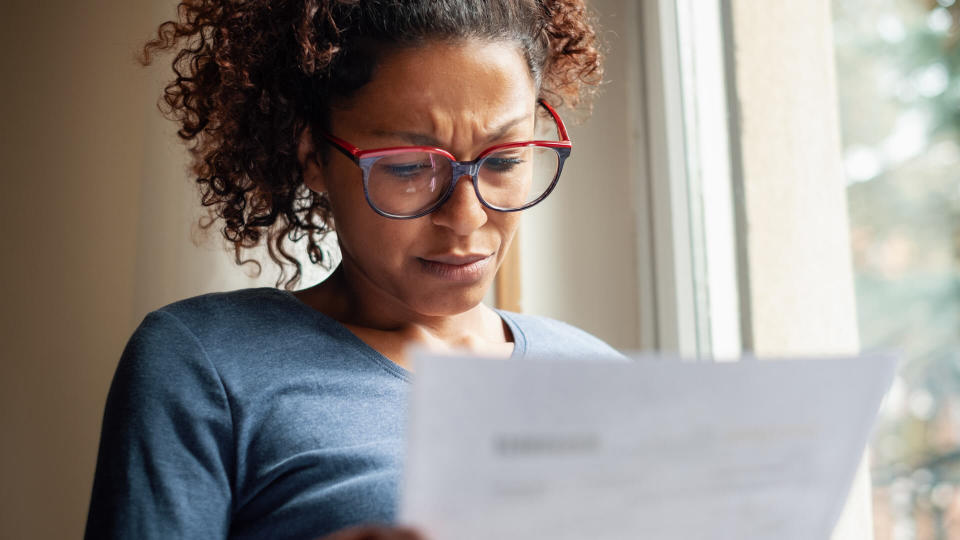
(463, 212)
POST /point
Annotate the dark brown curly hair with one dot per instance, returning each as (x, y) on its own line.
(251, 75)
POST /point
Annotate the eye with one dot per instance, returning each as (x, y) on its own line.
(406, 170)
(502, 164)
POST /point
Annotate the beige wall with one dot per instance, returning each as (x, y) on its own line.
(99, 215)
(580, 247)
(800, 279)
(73, 120)
(797, 238)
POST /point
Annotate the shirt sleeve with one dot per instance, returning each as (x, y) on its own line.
(165, 464)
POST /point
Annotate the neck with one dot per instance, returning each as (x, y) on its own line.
(347, 296)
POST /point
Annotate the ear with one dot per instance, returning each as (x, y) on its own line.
(307, 155)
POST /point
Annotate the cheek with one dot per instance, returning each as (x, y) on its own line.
(370, 237)
(351, 213)
(344, 183)
(507, 223)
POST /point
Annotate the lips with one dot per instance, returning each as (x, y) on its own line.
(456, 260)
(456, 267)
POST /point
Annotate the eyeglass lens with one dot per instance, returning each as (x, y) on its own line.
(408, 183)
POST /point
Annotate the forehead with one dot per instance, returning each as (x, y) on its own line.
(426, 87)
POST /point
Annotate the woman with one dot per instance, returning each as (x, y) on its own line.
(268, 414)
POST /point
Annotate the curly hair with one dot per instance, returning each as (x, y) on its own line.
(252, 75)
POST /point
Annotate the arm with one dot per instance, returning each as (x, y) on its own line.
(165, 465)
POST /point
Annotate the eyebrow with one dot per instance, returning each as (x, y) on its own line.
(421, 139)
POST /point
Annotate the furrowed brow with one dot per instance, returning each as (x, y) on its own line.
(416, 139)
(421, 139)
(502, 130)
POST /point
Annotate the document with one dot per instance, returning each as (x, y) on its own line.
(654, 448)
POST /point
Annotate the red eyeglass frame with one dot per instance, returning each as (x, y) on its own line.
(366, 158)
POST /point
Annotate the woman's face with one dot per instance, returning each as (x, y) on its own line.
(462, 97)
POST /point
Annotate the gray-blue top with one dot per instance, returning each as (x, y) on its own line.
(251, 415)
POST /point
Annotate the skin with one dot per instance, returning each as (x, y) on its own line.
(373, 532)
(463, 97)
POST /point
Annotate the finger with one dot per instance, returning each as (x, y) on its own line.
(407, 533)
(375, 532)
(363, 532)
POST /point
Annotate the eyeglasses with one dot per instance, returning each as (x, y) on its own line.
(411, 181)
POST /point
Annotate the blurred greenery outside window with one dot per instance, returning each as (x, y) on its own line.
(898, 76)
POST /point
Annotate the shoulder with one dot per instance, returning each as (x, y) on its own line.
(209, 329)
(246, 335)
(544, 336)
(175, 348)
(237, 309)
(246, 317)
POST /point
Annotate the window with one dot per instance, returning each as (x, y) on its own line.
(898, 72)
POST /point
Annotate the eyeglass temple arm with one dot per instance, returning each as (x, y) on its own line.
(556, 117)
(344, 147)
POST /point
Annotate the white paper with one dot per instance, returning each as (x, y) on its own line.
(653, 449)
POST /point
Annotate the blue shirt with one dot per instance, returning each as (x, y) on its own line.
(249, 414)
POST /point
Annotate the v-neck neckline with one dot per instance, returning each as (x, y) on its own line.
(519, 338)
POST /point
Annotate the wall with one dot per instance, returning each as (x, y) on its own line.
(579, 246)
(101, 220)
(72, 152)
(799, 282)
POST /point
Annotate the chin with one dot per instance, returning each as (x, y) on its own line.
(449, 303)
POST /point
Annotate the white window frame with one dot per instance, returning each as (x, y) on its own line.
(683, 106)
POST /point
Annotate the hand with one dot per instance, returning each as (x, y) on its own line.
(374, 532)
